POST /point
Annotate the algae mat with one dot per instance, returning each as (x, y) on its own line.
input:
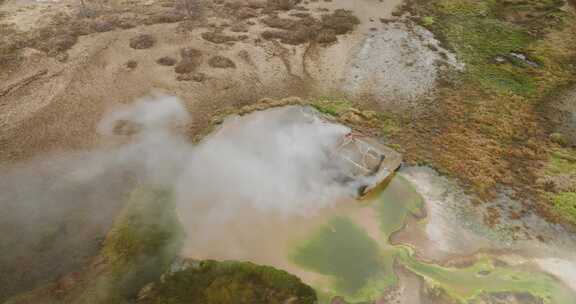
(360, 265)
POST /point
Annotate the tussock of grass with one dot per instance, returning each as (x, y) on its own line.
(561, 161)
(564, 204)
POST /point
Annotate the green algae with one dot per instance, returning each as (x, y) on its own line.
(362, 272)
(398, 201)
(484, 277)
(341, 249)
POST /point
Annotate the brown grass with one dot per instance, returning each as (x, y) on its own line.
(483, 139)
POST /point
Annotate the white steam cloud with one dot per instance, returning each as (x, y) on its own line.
(263, 166)
(252, 175)
(277, 160)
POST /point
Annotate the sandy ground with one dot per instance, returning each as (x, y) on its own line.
(48, 104)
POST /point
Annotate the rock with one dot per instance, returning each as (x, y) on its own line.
(559, 139)
(143, 41)
(167, 61)
(221, 62)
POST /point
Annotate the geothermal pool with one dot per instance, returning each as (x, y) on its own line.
(263, 188)
(345, 251)
(272, 213)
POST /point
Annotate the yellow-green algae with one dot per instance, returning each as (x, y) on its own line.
(344, 251)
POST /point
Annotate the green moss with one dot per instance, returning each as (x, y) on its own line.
(464, 7)
(331, 106)
(564, 205)
(231, 282)
(561, 161)
(428, 21)
(477, 41)
(505, 79)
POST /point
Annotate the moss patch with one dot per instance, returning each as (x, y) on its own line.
(230, 282)
(561, 161)
(334, 107)
(564, 204)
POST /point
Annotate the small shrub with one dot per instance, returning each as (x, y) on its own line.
(143, 41)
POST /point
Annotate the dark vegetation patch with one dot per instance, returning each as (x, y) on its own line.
(218, 37)
(64, 29)
(142, 41)
(305, 29)
(166, 60)
(283, 5)
(190, 60)
(131, 64)
(221, 62)
(247, 12)
(239, 28)
(66, 224)
(143, 242)
(229, 282)
(11, 45)
(185, 67)
(196, 77)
